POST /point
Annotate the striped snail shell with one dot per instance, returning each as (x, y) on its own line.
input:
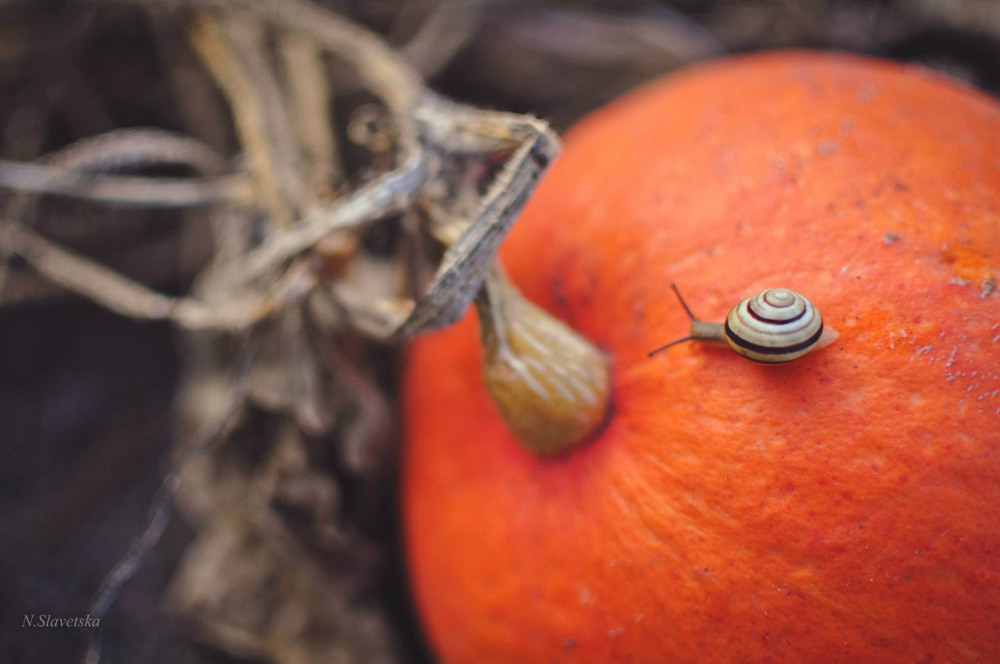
(777, 325)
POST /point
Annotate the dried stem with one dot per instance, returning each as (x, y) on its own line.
(551, 385)
(467, 262)
(130, 298)
(136, 148)
(311, 105)
(232, 49)
(126, 190)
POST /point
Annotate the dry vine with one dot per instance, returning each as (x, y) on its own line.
(271, 322)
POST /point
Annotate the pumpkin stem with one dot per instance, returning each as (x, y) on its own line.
(551, 385)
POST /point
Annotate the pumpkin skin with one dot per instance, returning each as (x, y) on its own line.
(844, 507)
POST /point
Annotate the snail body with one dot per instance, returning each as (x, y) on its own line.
(775, 326)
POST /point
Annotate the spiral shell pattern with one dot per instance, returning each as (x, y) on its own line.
(774, 326)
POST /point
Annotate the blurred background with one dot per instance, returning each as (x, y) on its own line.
(87, 397)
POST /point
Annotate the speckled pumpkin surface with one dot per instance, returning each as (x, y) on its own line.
(844, 507)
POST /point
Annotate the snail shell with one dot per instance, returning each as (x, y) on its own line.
(777, 325)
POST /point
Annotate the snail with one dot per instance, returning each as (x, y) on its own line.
(775, 326)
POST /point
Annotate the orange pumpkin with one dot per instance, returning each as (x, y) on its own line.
(844, 507)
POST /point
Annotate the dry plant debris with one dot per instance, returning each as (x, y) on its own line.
(271, 324)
